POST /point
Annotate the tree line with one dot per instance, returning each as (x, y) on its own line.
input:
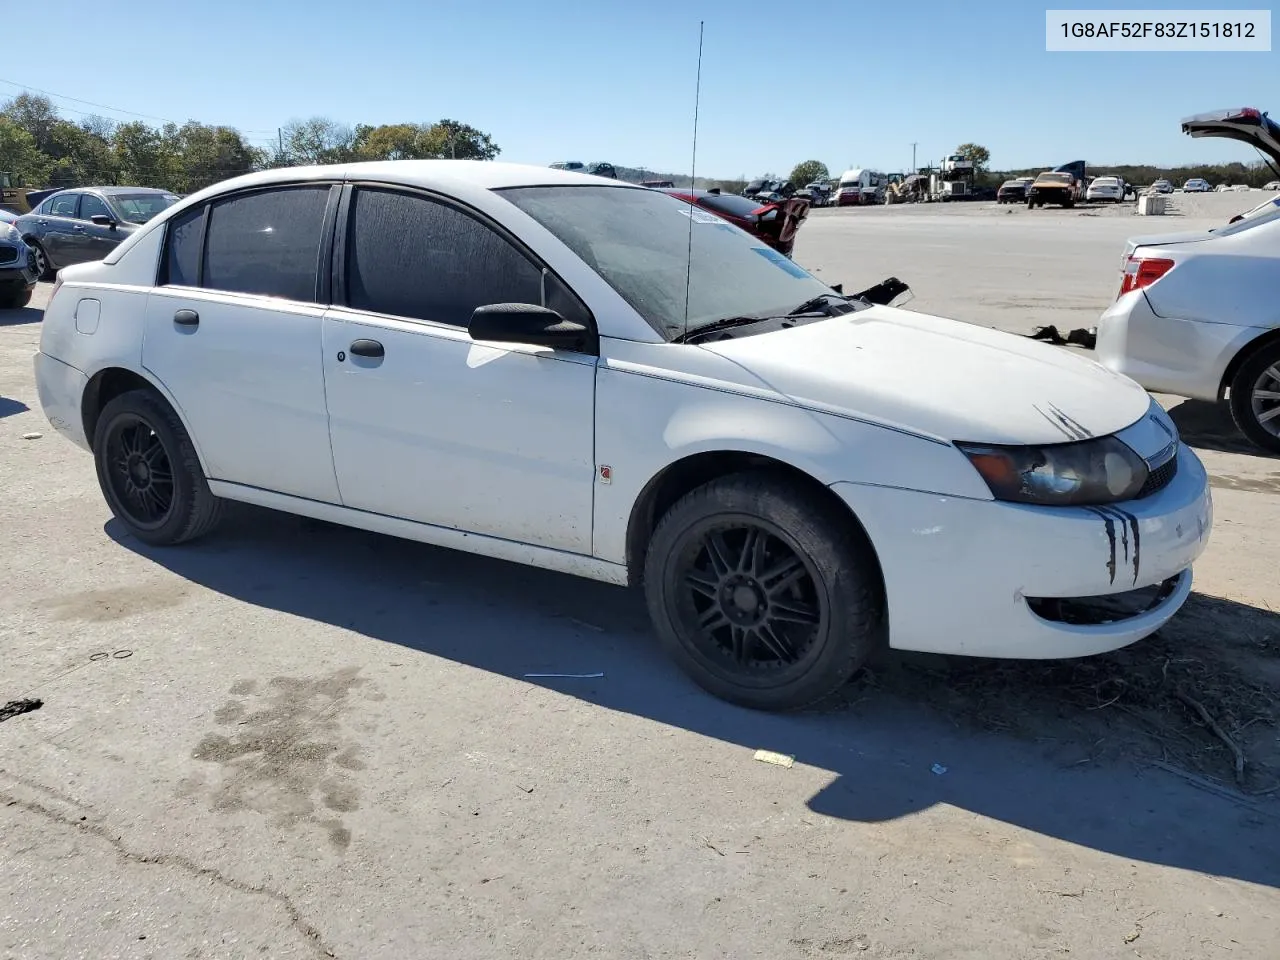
(40, 148)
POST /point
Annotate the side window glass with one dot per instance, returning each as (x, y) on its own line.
(408, 256)
(91, 206)
(182, 249)
(64, 205)
(267, 242)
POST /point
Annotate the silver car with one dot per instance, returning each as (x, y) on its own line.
(1196, 312)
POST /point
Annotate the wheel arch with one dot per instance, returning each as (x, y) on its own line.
(109, 383)
(1241, 356)
(687, 473)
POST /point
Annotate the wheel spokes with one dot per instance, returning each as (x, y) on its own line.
(776, 644)
(794, 611)
(718, 553)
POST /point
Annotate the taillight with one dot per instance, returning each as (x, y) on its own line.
(1140, 272)
(767, 212)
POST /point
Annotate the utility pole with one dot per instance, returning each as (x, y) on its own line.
(913, 158)
(280, 144)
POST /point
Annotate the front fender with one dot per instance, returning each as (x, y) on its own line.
(646, 422)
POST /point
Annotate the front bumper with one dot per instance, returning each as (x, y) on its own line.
(17, 264)
(61, 389)
(1186, 358)
(959, 573)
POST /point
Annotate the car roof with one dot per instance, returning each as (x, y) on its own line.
(438, 174)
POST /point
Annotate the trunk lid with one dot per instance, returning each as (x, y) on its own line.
(1246, 124)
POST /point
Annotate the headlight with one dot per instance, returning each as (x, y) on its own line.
(1098, 471)
(11, 233)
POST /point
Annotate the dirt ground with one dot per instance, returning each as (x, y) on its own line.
(296, 740)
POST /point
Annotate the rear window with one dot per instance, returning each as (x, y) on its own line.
(267, 242)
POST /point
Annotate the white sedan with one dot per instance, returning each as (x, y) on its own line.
(569, 372)
(1105, 188)
(1196, 313)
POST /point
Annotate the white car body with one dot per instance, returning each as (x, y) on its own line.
(547, 457)
(1189, 330)
(1105, 188)
(1196, 185)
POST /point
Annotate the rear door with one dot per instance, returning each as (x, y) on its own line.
(57, 230)
(233, 331)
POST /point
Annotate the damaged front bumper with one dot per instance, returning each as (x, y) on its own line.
(978, 577)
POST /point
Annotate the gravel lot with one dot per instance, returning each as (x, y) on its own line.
(304, 741)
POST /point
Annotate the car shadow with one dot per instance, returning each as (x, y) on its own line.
(891, 754)
(9, 406)
(1208, 426)
(14, 318)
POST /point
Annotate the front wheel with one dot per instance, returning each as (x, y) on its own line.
(764, 597)
(149, 472)
(1255, 397)
(44, 269)
(15, 299)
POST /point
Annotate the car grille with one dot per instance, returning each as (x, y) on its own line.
(1160, 477)
(8, 254)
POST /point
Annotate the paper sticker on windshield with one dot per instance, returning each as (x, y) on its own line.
(701, 216)
(783, 263)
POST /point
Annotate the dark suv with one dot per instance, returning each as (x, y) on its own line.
(74, 226)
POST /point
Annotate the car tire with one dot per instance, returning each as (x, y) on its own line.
(1259, 372)
(149, 472)
(792, 586)
(15, 300)
(44, 268)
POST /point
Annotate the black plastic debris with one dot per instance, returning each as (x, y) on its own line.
(15, 708)
(1079, 337)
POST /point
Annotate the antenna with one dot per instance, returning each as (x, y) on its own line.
(693, 181)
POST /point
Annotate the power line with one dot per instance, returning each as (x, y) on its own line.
(102, 106)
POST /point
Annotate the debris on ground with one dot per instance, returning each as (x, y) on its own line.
(15, 708)
(1079, 337)
(780, 759)
(563, 676)
(32, 436)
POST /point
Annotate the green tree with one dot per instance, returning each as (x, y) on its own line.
(980, 155)
(318, 140)
(807, 171)
(36, 115)
(451, 139)
(19, 156)
(144, 156)
(205, 155)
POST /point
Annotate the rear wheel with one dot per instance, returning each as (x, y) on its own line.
(764, 597)
(149, 472)
(1255, 397)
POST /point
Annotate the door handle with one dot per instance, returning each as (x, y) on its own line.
(79, 229)
(367, 348)
(187, 318)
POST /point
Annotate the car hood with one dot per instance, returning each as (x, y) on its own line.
(1245, 124)
(949, 380)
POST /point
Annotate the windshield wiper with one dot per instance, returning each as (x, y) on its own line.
(724, 323)
(823, 301)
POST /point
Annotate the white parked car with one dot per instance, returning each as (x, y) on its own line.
(501, 359)
(1105, 188)
(1162, 186)
(1271, 185)
(1196, 185)
(1196, 315)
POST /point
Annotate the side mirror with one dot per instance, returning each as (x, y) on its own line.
(527, 323)
(102, 220)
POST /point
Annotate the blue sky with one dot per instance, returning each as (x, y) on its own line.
(615, 81)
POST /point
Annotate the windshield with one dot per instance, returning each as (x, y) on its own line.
(1106, 182)
(639, 242)
(141, 207)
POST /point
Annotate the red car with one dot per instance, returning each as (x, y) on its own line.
(775, 222)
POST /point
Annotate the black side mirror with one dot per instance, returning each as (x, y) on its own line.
(102, 220)
(530, 324)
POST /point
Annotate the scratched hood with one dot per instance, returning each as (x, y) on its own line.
(950, 380)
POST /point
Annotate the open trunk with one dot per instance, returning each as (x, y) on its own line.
(1246, 124)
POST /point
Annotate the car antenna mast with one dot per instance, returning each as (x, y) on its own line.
(693, 183)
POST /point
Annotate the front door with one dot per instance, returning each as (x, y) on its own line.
(97, 240)
(58, 234)
(235, 337)
(428, 425)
